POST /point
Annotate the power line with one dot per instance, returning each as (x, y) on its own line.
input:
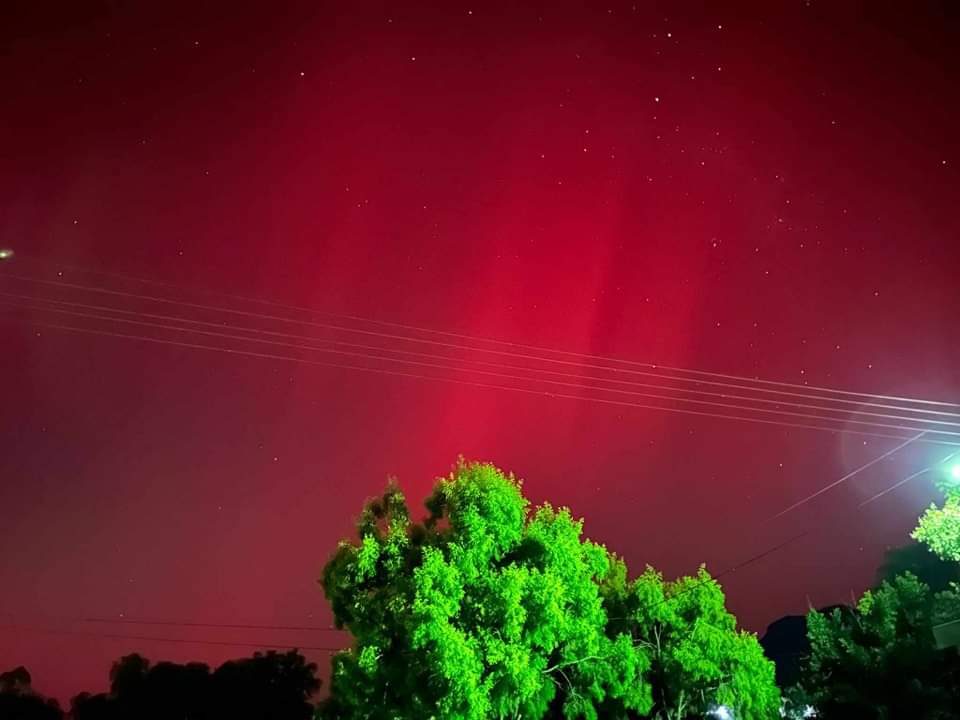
(398, 373)
(878, 495)
(804, 533)
(846, 477)
(732, 569)
(340, 328)
(416, 328)
(515, 377)
(126, 620)
(761, 555)
(194, 624)
(185, 623)
(894, 486)
(905, 481)
(222, 326)
(185, 641)
(508, 376)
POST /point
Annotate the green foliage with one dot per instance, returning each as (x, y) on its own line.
(939, 528)
(483, 611)
(698, 658)
(493, 609)
(878, 660)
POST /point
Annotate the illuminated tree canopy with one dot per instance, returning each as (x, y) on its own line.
(491, 609)
(698, 658)
(939, 527)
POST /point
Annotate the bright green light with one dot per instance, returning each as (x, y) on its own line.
(6, 253)
(954, 472)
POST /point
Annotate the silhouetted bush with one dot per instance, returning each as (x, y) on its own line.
(18, 701)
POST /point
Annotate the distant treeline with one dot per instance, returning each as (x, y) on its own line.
(267, 686)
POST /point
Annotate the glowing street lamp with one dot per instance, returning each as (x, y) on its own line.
(953, 472)
(6, 253)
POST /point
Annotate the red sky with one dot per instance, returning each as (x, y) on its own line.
(762, 189)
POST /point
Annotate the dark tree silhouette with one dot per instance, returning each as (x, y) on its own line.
(93, 707)
(15, 681)
(786, 643)
(128, 675)
(18, 701)
(918, 559)
(267, 686)
(165, 690)
(880, 662)
(271, 686)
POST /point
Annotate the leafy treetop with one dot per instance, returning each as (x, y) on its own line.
(491, 609)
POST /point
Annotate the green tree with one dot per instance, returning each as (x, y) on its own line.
(878, 661)
(939, 527)
(698, 657)
(492, 609)
(485, 610)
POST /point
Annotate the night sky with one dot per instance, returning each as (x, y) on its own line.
(766, 189)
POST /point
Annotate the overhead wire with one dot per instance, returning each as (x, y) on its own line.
(508, 376)
(779, 546)
(893, 487)
(844, 429)
(397, 373)
(905, 480)
(524, 346)
(869, 500)
(259, 331)
(127, 620)
(390, 336)
(195, 624)
(153, 638)
(730, 570)
(845, 478)
(693, 586)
